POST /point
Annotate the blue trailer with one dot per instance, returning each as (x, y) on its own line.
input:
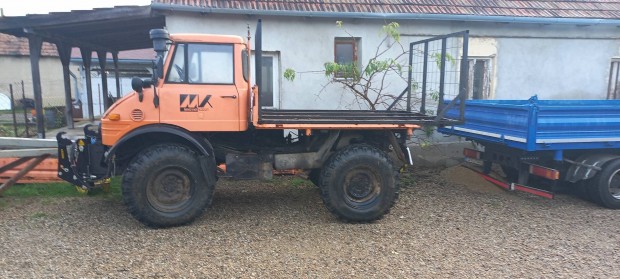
(564, 142)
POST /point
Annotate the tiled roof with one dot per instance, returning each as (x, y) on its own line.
(136, 54)
(593, 9)
(14, 46)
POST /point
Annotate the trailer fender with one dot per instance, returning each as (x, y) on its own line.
(587, 166)
(158, 133)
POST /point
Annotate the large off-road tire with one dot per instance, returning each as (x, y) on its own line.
(606, 188)
(315, 177)
(359, 184)
(165, 186)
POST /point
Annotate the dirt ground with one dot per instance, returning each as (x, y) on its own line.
(446, 224)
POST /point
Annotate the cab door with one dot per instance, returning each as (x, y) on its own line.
(199, 92)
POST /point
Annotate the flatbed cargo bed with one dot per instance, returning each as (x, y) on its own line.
(273, 116)
(534, 125)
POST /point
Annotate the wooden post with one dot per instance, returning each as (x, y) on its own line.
(64, 51)
(87, 55)
(116, 74)
(13, 110)
(101, 55)
(34, 44)
(25, 113)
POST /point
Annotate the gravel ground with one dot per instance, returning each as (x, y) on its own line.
(439, 228)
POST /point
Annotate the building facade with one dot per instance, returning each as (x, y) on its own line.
(559, 52)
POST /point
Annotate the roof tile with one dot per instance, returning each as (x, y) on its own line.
(600, 9)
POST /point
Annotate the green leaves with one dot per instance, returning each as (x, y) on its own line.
(375, 65)
(391, 29)
(347, 71)
(289, 74)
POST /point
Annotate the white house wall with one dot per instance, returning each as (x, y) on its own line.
(17, 68)
(553, 61)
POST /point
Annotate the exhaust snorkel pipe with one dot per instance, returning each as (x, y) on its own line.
(258, 61)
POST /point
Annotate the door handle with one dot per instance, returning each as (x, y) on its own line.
(230, 96)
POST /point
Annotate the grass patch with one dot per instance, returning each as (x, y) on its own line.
(298, 182)
(7, 130)
(42, 190)
(46, 192)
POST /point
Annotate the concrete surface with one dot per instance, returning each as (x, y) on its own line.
(444, 154)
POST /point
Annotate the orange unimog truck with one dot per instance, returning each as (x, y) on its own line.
(199, 110)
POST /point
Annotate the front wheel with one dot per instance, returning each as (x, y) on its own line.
(359, 184)
(165, 186)
(606, 189)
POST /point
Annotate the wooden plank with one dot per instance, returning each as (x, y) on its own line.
(31, 165)
(6, 142)
(46, 171)
(11, 153)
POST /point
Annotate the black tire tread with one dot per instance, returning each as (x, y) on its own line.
(136, 168)
(340, 158)
(600, 191)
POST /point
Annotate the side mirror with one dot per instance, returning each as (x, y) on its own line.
(139, 84)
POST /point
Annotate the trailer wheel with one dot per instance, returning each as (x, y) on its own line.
(607, 185)
(165, 186)
(359, 184)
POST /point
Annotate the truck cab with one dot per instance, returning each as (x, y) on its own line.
(204, 86)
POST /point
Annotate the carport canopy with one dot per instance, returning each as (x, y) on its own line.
(104, 30)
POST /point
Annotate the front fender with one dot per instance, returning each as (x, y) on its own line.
(160, 133)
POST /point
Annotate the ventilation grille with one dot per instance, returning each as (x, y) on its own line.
(137, 115)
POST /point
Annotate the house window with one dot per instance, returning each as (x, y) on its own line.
(346, 52)
(479, 78)
(613, 89)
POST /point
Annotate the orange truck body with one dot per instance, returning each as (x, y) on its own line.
(227, 109)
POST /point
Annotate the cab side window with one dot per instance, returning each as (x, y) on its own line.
(210, 64)
(177, 71)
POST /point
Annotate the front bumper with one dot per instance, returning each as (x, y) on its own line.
(81, 162)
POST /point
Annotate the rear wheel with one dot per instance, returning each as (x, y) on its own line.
(606, 190)
(165, 186)
(359, 184)
(315, 177)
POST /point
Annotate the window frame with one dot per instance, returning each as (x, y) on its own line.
(355, 42)
(186, 66)
(614, 75)
(489, 76)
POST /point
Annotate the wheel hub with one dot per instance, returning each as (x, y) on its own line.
(614, 185)
(359, 186)
(169, 190)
